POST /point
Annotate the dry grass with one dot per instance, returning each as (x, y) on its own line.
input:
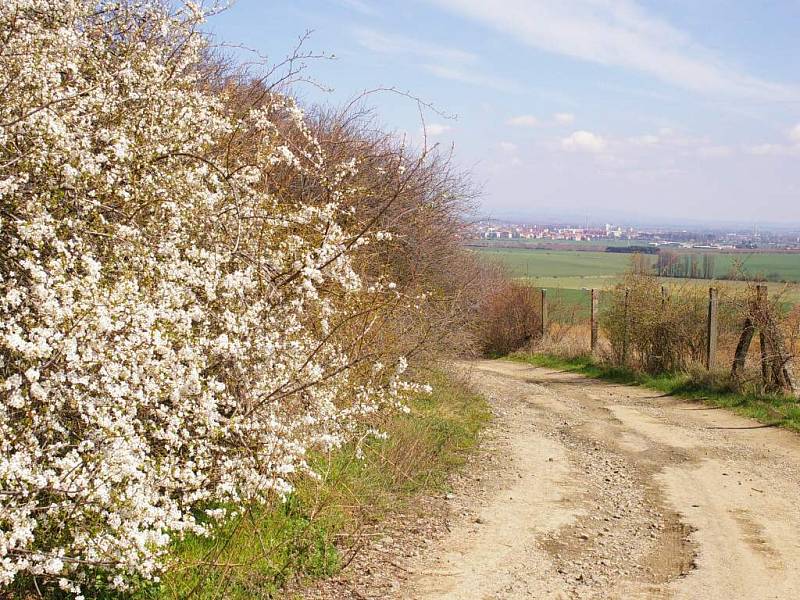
(666, 334)
(510, 317)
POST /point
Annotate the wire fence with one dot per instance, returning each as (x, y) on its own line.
(751, 332)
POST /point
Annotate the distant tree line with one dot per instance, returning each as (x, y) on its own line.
(692, 266)
(669, 263)
(633, 249)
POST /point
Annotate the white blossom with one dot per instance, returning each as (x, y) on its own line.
(160, 346)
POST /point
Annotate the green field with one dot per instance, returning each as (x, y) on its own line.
(522, 262)
(773, 266)
(535, 263)
(568, 273)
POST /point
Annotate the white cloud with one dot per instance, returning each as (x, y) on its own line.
(619, 33)
(436, 129)
(667, 143)
(472, 77)
(794, 133)
(444, 62)
(564, 118)
(765, 149)
(669, 138)
(773, 150)
(714, 151)
(523, 121)
(781, 149)
(384, 43)
(645, 140)
(584, 141)
(508, 146)
(358, 5)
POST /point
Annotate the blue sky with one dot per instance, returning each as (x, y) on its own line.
(613, 109)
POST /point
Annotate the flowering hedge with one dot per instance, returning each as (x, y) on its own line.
(180, 319)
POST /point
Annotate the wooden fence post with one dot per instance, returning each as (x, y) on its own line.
(593, 295)
(625, 331)
(544, 313)
(711, 331)
(741, 349)
(761, 314)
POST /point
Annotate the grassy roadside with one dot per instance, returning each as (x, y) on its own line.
(778, 410)
(315, 532)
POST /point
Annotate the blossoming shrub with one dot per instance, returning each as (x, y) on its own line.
(180, 316)
(276, 552)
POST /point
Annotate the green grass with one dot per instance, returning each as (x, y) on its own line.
(568, 274)
(773, 266)
(770, 409)
(530, 263)
(575, 282)
(313, 533)
(254, 554)
(576, 269)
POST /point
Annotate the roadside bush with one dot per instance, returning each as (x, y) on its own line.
(424, 255)
(188, 300)
(652, 331)
(510, 319)
(664, 330)
(659, 331)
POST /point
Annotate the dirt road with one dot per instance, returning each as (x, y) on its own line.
(607, 491)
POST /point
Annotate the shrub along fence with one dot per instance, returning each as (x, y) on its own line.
(646, 326)
(513, 315)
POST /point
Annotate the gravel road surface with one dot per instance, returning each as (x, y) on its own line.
(598, 490)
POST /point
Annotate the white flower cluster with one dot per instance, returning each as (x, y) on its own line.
(177, 297)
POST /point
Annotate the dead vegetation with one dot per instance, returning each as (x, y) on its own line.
(648, 327)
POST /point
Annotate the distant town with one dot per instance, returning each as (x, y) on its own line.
(710, 239)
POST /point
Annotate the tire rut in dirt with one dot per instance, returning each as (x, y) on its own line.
(626, 532)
